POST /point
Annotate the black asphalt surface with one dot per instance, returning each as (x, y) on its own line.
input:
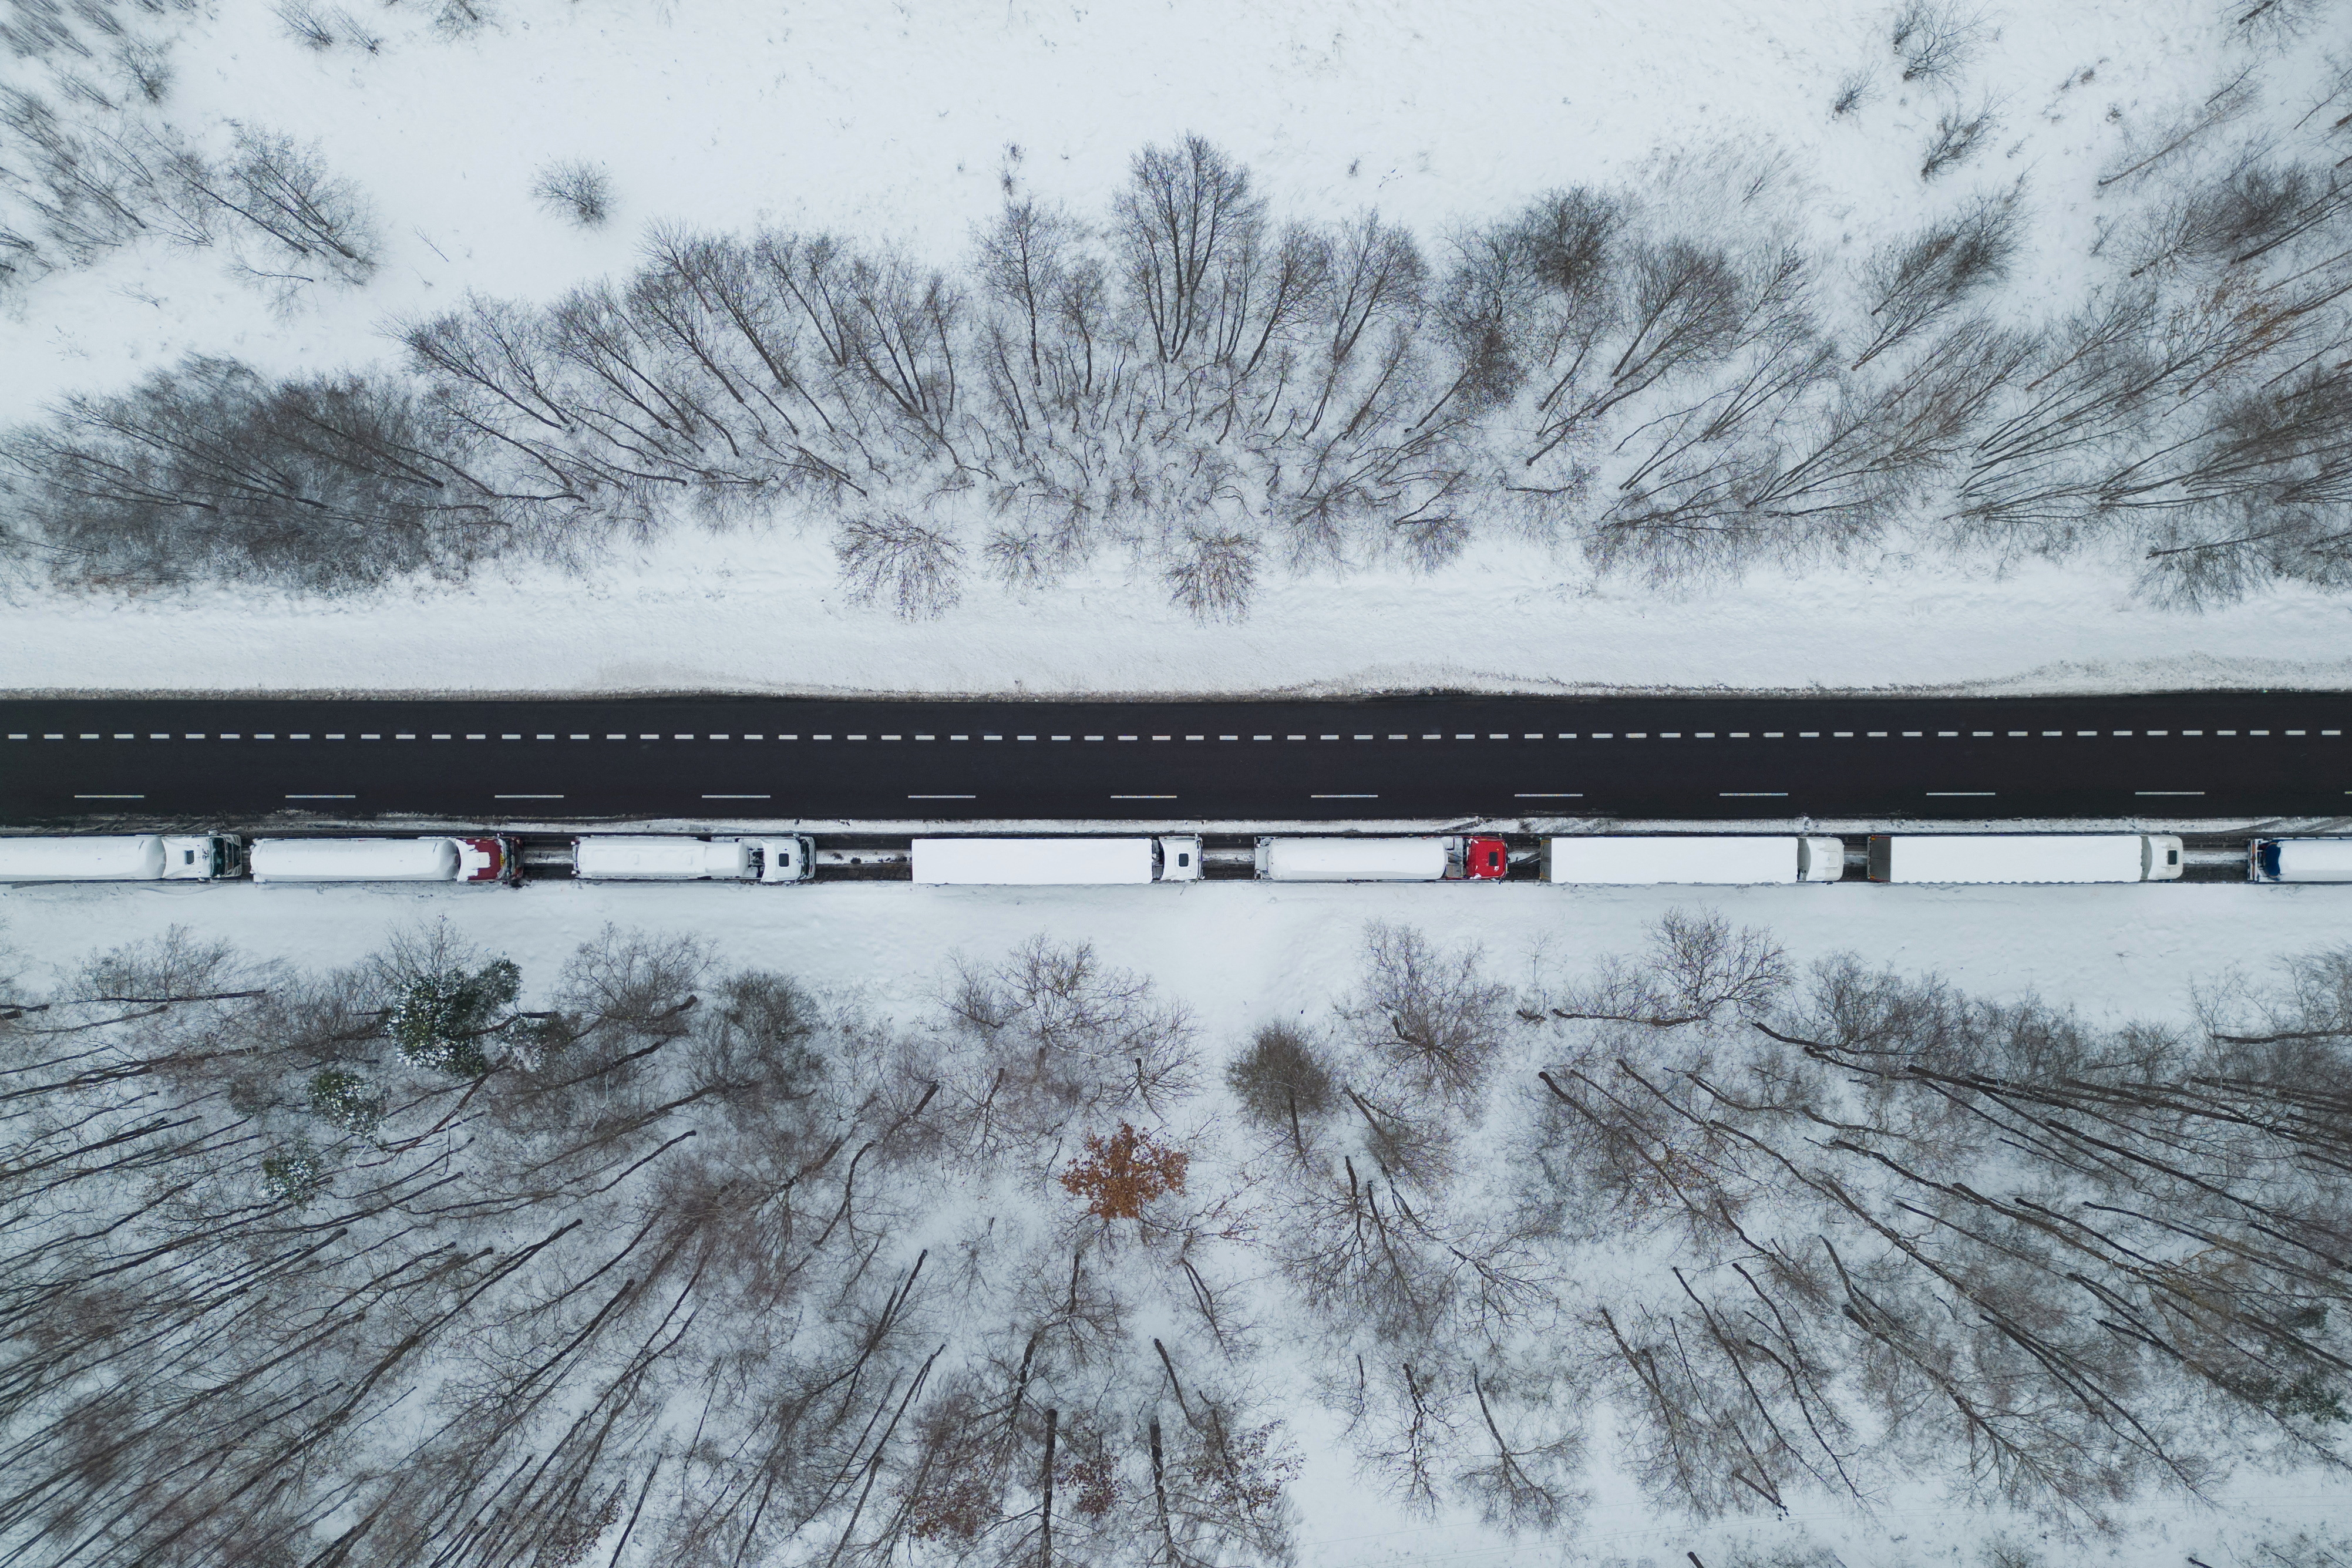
(2195, 755)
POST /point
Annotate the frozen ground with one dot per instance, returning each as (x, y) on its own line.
(763, 614)
(1243, 954)
(893, 120)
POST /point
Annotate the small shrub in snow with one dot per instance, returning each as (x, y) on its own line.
(1958, 135)
(577, 189)
(1934, 39)
(1855, 89)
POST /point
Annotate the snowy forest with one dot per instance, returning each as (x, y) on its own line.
(688, 1264)
(1670, 377)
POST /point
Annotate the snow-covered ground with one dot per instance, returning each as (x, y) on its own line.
(1244, 953)
(743, 613)
(895, 121)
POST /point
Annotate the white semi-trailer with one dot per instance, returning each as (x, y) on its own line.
(1432, 859)
(1710, 859)
(1977, 858)
(678, 858)
(122, 857)
(1056, 862)
(429, 859)
(2300, 860)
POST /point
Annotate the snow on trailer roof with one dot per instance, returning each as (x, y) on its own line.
(354, 860)
(113, 857)
(1032, 862)
(660, 857)
(1353, 860)
(1991, 858)
(1631, 860)
(2313, 859)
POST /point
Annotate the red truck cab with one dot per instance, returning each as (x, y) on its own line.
(1486, 860)
(488, 860)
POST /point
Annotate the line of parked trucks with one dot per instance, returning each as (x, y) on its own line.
(1601, 859)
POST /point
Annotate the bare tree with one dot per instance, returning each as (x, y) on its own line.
(581, 191)
(913, 568)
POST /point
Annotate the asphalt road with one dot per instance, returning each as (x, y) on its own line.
(2198, 755)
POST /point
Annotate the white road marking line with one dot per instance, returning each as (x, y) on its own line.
(28, 736)
(1958, 794)
(2217, 732)
(1143, 797)
(469, 737)
(1703, 734)
(526, 798)
(689, 737)
(2167, 792)
(2199, 732)
(53, 737)
(371, 737)
(322, 797)
(1914, 734)
(2258, 732)
(1775, 735)
(722, 737)
(158, 737)
(397, 737)
(1261, 737)
(1741, 735)
(109, 797)
(1540, 737)
(1498, 737)
(2159, 734)
(334, 737)
(764, 736)
(1809, 734)
(436, 737)
(1301, 737)
(135, 737)
(2294, 731)
(734, 797)
(2079, 733)
(1946, 734)
(1603, 735)
(2331, 732)
(1551, 795)
(1752, 795)
(933, 798)
(1877, 735)
(509, 737)
(1376, 797)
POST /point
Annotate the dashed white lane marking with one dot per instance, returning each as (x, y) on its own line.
(1343, 797)
(1122, 798)
(2167, 792)
(935, 797)
(1959, 794)
(322, 797)
(1551, 795)
(526, 798)
(734, 797)
(1752, 795)
(109, 797)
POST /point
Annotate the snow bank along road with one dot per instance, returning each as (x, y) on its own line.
(2199, 754)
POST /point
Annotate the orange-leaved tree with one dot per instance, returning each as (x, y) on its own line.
(1120, 1174)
